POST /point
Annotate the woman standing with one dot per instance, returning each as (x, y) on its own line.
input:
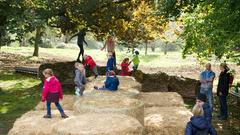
(222, 91)
(110, 45)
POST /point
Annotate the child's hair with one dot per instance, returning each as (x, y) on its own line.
(197, 110)
(136, 52)
(224, 65)
(48, 71)
(125, 60)
(77, 65)
(110, 53)
(111, 73)
(85, 56)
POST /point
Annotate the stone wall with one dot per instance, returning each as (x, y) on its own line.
(158, 82)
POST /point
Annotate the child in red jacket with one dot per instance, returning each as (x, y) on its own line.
(52, 92)
(124, 67)
(89, 63)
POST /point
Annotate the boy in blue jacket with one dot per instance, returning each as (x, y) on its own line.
(111, 82)
(110, 63)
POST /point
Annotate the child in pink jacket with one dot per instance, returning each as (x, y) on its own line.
(52, 92)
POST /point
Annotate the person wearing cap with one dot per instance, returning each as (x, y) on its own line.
(111, 82)
(206, 79)
(201, 101)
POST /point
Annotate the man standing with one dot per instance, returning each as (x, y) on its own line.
(206, 79)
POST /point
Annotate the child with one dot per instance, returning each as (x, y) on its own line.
(52, 92)
(110, 63)
(91, 64)
(124, 67)
(135, 60)
(198, 125)
(80, 79)
(111, 82)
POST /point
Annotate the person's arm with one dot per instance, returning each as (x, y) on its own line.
(60, 91)
(73, 36)
(107, 82)
(77, 78)
(85, 41)
(211, 78)
(45, 91)
(188, 130)
(124, 69)
(104, 46)
(201, 79)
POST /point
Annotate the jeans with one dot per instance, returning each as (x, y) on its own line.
(209, 94)
(57, 105)
(223, 106)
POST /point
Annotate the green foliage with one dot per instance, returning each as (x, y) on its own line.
(212, 29)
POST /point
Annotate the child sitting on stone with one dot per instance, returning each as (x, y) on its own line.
(90, 64)
(111, 82)
(80, 79)
(52, 92)
(125, 67)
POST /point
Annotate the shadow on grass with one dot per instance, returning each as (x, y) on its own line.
(15, 103)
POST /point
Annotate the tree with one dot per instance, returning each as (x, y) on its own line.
(212, 29)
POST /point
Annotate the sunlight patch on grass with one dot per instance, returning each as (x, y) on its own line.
(16, 82)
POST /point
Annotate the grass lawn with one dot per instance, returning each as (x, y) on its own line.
(153, 59)
(18, 94)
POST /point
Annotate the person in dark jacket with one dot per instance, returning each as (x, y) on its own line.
(80, 40)
(201, 101)
(198, 125)
(111, 82)
(110, 63)
(222, 91)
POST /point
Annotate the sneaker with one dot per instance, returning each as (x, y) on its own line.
(64, 116)
(47, 116)
(77, 92)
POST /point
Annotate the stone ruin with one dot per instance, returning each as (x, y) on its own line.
(127, 111)
(158, 82)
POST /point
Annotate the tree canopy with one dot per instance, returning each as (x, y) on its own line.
(213, 29)
(210, 28)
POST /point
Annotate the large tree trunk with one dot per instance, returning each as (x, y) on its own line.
(146, 47)
(37, 41)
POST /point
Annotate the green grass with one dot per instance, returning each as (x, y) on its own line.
(18, 94)
(153, 59)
